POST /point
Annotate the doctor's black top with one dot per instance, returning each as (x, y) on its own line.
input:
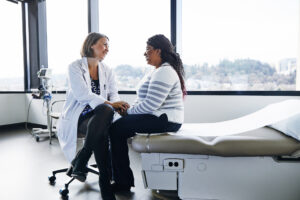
(95, 89)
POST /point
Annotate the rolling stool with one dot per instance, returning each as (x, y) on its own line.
(65, 191)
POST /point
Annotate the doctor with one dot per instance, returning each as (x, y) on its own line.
(91, 100)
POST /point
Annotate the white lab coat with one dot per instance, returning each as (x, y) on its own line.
(79, 95)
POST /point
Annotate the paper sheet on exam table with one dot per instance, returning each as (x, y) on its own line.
(268, 115)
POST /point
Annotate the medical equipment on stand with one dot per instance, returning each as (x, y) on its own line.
(44, 93)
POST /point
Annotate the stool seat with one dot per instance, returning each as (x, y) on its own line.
(55, 115)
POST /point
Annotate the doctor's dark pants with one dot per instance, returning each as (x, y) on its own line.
(95, 125)
(127, 127)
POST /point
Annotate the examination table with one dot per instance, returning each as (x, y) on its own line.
(263, 164)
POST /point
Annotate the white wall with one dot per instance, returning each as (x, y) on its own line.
(198, 108)
(213, 108)
(37, 111)
(12, 108)
(219, 108)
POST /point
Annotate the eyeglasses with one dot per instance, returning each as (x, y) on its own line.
(149, 50)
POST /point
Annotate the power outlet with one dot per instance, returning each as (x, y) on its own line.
(173, 164)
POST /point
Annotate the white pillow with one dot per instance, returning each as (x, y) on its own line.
(290, 126)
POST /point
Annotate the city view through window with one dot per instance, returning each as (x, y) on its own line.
(240, 45)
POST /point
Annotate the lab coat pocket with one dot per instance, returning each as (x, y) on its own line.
(63, 128)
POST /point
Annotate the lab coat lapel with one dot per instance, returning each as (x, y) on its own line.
(101, 74)
(85, 70)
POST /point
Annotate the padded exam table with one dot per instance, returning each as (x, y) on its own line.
(262, 164)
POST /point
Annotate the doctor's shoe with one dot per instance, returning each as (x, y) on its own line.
(79, 169)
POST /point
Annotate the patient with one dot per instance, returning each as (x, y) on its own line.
(158, 107)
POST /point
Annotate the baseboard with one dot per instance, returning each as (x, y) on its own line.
(22, 124)
(33, 125)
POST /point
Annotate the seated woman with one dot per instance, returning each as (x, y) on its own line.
(91, 100)
(158, 108)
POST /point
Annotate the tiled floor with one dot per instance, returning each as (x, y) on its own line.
(25, 166)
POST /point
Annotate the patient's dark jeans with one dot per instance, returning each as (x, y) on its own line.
(127, 127)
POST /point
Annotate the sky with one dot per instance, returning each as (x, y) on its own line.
(11, 41)
(267, 30)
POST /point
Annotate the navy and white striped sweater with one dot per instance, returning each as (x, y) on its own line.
(160, 92)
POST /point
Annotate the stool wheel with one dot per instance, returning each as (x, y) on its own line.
(64, 193)
(52, 180)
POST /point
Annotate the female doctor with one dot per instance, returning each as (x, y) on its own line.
(92, 98)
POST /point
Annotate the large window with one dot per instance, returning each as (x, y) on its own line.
(129, 24)
(240, 44)
(67, 27)
(11, 47)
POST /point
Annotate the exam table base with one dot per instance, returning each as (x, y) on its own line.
(197, 177)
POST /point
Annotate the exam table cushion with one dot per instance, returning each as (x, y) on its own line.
(260, 142)
(290, 126)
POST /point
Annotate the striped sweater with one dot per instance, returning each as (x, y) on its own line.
(160, 92)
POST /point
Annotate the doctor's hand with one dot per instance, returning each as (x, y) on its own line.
(120, 106)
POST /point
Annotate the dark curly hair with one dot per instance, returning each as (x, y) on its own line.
(169, 55)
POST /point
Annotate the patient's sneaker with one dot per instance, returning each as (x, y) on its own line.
(79, 169)
(106, 189)
(120, 188)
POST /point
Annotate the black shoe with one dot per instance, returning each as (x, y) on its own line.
(79, 169)
(80, 175)
(120, 188)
